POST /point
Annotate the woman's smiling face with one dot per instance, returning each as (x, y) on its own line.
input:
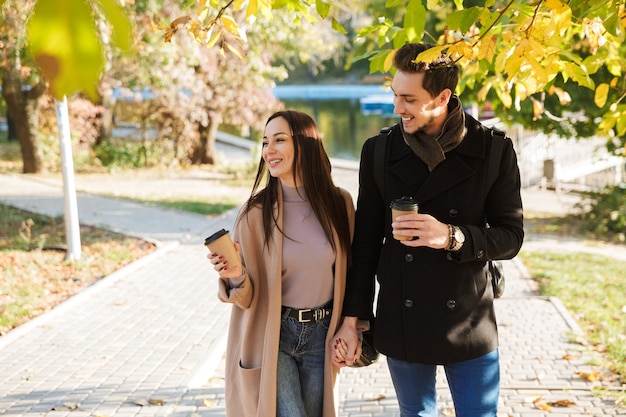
(279, 151)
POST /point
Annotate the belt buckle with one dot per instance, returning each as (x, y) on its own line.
(300, 319)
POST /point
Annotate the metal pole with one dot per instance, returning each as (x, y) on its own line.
(72, 227)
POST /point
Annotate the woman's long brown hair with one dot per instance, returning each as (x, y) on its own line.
(313, 166)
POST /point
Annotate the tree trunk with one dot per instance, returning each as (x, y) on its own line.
(205, 151)
(24, 108)
(12, 134)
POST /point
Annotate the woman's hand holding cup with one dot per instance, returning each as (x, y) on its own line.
(224, 254)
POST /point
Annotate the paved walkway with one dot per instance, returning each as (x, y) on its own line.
(149, 339)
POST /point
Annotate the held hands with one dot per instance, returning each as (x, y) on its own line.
(222, 266)
(425, 229)
(345, 345)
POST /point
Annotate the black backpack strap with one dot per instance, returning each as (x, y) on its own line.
(380, 147)
(495, 155)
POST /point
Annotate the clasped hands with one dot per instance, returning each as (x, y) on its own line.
(345, 346)
(424, 228)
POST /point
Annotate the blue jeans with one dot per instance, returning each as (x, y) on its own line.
(474, 384)
(300, 379)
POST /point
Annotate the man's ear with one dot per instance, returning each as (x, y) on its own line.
(444, 97)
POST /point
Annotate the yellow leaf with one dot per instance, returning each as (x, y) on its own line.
(253, 8)
(463, 49)
(512, 65)
(234, 50)
(389, 60)
(543, 406)
(156, 401)
(213, 39)
(505, 98)
(601, 95)
(553, 4)
(230, 24)
(430, 54)
(621, 124)
(482, 93)
(488, 48)
(202, 7)
(589, 376)
(208, 403)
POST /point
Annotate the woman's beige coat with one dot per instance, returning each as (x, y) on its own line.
(252, 350)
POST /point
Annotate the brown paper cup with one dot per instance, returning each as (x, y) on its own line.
(400, 206)
(396, 213)
(221, 244)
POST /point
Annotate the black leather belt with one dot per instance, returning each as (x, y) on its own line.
(309, 314)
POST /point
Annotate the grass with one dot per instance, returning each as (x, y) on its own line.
(35, 275)
(591, 287)
(195, 206)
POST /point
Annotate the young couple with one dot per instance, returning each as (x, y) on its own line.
(309, 261)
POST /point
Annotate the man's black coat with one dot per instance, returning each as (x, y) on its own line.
(434, 306)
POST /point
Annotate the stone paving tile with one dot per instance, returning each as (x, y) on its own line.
(155, 331)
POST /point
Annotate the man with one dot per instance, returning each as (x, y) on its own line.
(435, 302)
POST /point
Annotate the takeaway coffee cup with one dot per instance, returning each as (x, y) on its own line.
(221, 243)
(400, 206)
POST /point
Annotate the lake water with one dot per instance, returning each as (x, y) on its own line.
(337, 112)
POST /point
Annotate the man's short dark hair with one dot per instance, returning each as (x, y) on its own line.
(439, 74)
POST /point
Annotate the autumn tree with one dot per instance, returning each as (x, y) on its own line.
(22, 84)
(525, 56)
(196, 89)
(66, 44)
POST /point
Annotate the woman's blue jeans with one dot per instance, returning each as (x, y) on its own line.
(474, 384)
(300, 380)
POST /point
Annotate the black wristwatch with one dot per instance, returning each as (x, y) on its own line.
(457, 238)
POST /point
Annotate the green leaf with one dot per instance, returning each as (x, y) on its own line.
(337, 26)
(414, 20)
(464, 19)
(322, 8)
(399, 39)
(63, 41)
(377, 63)
(120, 24)
(393, 3)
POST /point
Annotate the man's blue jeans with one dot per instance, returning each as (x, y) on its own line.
(474, 384)
(300, 386)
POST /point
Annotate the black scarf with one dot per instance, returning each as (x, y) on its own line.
(432, 149)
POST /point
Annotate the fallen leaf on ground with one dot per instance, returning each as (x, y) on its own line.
(589, 376)
(562, 403)
(156, 401)
(534, 399)
(376, 397)
(543, 406)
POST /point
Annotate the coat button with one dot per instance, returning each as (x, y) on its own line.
(480, 254)
(408, 303)
(451, 304)
(408, 257)
(453, 213)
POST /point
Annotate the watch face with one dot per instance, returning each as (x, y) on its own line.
(459, 236)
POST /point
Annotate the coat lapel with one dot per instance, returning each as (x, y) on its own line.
(449, 173)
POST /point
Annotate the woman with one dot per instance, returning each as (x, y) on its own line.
(294, 238)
